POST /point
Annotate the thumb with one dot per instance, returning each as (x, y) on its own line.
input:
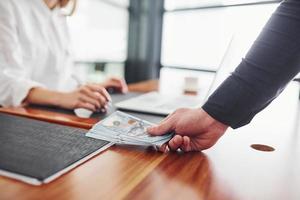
(163, 128)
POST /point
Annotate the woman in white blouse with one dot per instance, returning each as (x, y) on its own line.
(35, 62)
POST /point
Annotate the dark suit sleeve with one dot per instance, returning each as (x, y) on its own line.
(272, 61)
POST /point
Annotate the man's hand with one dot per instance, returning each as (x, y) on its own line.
(194, 129)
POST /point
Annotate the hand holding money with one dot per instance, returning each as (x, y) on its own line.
(195, 130)
(121, 128)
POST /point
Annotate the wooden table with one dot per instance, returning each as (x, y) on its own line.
(229, 170)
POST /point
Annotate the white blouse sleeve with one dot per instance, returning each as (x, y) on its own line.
(14, 81)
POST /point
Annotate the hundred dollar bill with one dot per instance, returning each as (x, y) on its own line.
(122, 128)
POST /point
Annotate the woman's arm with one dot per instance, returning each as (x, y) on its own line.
(91, 96)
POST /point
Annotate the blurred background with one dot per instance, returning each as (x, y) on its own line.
(134, 39)
(176, 41)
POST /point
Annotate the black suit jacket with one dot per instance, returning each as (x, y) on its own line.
(272, 61)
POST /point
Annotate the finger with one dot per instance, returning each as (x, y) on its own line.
(86, 106)
(94, 95)
(165, 119)
(164, 148)
(118, 84)
(105, 107)
(102, 100)
(122, 84)
(162, 128)
(175, 142)
(101, 90)
(105, 94)
(186, 144)
(115, 79)
(103, 110)
(115, 85)
(89, 100)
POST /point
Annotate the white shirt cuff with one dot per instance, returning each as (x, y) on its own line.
(21, 90)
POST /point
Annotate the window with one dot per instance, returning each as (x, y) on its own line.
(198, 38)
(98, 32)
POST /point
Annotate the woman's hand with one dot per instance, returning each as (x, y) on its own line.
(194, 129)
(91, 96)
(115, 84)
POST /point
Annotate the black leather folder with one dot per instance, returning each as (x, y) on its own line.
(38, 152)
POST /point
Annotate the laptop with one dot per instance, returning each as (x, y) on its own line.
(157, 103)
(167, 100)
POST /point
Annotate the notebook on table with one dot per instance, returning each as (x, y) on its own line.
(38, 152)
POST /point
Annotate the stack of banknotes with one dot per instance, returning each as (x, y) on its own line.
(121, 128)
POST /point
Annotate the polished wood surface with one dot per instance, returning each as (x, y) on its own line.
(232, 169)
(45, 115)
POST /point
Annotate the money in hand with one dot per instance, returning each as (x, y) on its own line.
(122, 128)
